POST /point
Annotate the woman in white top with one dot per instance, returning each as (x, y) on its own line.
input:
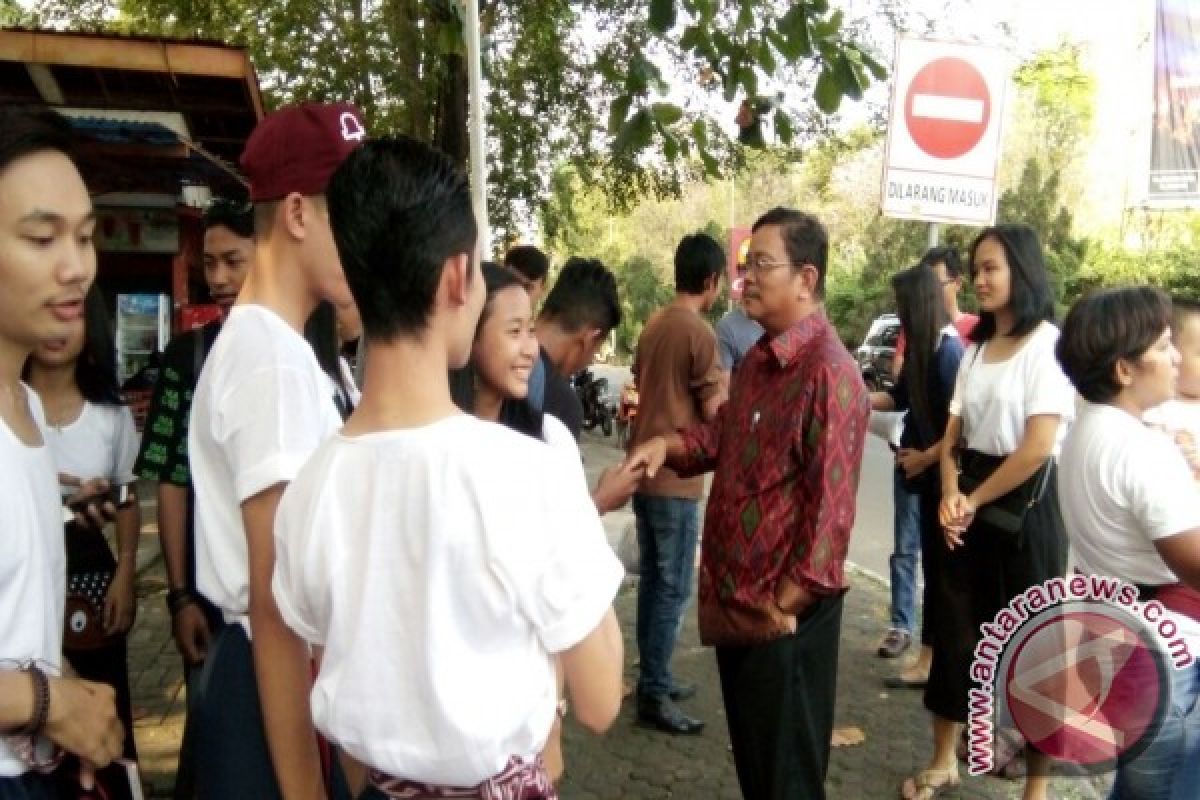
(47, 262)
(91, 435)
(1010, 405)
(495, 385)
(1131, 505)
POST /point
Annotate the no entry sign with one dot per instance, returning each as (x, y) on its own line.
(944, 132)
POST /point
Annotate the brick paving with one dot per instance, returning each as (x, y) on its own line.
(633, 762)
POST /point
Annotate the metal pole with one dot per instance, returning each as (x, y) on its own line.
(476, 123)
(933, 235)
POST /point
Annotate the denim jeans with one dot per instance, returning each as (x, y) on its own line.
(907, 548)
(1168, 769)
(667, 530)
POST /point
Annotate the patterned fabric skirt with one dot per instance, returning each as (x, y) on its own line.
(519, 780)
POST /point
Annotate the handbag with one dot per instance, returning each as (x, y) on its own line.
(1006, 514)
(83, 627)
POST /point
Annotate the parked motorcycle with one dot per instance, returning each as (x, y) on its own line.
(597, 407)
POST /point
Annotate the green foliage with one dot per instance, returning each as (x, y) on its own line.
(560, 73)
(642, 291)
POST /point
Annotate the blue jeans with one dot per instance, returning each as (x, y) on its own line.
(667, 530)
(907, 547)
(1169, 769)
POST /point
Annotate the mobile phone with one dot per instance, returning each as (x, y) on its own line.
(119, 496)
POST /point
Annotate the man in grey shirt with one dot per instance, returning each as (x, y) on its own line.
(736, 334)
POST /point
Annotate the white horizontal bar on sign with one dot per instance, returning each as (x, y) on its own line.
(957, 109)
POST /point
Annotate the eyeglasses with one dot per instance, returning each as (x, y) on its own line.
(760, 264)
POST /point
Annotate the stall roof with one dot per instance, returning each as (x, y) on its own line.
(211, 86)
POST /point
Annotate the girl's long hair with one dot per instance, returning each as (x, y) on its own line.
(922, 316)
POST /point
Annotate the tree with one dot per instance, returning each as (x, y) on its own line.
(575, 81)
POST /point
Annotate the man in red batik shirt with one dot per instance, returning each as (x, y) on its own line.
(786, 450)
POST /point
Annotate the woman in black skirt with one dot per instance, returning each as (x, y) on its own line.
(91, 434)
(1010, 409)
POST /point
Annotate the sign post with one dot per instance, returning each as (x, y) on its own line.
(943, 141)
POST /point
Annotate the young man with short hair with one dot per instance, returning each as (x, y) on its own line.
(786, 449)
(533, 266)
(680, 385)
(163, 456)
(47, 264)
(439, 560)
(578, 315)
(261, 407)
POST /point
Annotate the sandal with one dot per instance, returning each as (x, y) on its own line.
(928, 783)
(1008, 760)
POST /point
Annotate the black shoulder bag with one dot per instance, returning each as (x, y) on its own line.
(1006, 514)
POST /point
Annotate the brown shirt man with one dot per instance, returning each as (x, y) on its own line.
(677, 375)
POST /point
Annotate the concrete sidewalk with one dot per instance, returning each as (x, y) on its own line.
(633, 762)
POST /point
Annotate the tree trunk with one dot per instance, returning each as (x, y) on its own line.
(451, 134)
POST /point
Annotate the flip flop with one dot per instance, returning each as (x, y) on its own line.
(901, 682)
(928, 783)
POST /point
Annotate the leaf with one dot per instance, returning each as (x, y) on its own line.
(745, 17)
(828, 93)
(667, 113)
(700, 133)
(635, 134)
(766, 57)
(617, 113)
(748, 79)
(662, 15)
(691, 38)
(783, 127)
(877, 70)
(794, 28)
(670, 146)
(711, 167)
(847, 78)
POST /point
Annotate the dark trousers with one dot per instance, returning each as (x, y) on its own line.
(229, 742)
(779, 699)
(30, 786)
(185, 772)
(974, 582)
(667, 530)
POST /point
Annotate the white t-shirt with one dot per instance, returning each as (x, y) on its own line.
(102, 442)
(1177, 417)
(440, 568)
(995, 400)
(1121, 487)
(33, 563)
(261, 407)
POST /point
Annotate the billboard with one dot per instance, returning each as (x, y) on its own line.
(1175, 137)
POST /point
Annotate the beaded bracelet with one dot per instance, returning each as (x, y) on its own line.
(41, 699)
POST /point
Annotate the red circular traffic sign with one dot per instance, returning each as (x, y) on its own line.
(947, 107)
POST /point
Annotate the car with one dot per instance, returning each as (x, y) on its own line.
(878, 351)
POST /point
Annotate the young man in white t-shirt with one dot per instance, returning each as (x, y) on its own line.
(440, 561)
(260, 408)
(1130, 504)
(47, 263)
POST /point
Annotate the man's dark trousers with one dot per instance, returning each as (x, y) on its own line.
(779, 698)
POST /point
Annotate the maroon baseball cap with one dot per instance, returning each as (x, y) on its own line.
(297, 148)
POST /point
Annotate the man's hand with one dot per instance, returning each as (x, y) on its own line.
(92, 509)
(650, 455)
(912, 461)
(616, 485)
(82, 720)
(120, 604)
(192, 634)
